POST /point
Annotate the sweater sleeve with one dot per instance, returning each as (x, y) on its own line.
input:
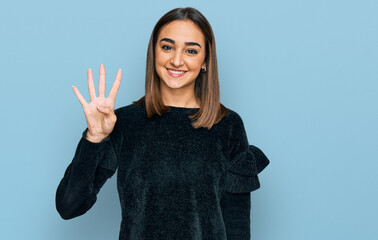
(236, 208)
(245, 162)
(91, 166)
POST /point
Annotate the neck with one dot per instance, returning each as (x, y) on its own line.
(181, 97)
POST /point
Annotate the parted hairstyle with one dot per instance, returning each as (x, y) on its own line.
(206, 84)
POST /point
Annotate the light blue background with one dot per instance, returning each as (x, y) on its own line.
(302, 75)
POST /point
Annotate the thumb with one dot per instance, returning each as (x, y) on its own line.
(105, 110)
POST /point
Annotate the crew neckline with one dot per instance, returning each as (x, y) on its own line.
(174, 108)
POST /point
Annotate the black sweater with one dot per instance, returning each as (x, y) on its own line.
(174, 181)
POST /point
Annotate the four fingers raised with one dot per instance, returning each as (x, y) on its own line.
(91, 88)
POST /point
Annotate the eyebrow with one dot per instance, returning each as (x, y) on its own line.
(173, 42)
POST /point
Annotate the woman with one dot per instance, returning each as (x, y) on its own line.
(185, 168)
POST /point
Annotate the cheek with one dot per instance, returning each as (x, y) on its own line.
(195, 63)
(157, 57)
(161, 58)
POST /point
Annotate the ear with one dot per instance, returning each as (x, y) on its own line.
(204, 65)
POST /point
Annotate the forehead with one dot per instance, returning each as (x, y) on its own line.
(182, 31)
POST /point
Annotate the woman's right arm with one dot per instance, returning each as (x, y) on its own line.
(96, 156)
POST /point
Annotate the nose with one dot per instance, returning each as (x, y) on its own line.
(176, 59)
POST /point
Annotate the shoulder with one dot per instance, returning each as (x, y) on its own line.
(125, 110)
(233, 119)
(128, 113)
(235, 128)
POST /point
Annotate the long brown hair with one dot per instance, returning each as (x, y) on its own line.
(206, 84)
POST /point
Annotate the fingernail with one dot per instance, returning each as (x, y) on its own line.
(99, 108)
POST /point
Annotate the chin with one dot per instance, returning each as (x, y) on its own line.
(176, 83)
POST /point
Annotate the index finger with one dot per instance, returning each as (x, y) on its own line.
(117, 82)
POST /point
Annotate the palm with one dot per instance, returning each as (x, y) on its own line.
(100, 122)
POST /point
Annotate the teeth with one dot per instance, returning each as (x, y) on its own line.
(176, 72)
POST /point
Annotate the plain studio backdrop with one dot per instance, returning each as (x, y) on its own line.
(302, 75)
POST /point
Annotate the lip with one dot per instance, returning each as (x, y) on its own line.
(174, 74)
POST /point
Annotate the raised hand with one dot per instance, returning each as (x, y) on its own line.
(99, 113)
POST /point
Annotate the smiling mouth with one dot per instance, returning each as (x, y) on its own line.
(175, 73)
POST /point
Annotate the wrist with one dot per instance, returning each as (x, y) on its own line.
(95, 138)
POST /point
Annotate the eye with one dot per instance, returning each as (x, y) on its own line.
(192, 51)
(166, 47)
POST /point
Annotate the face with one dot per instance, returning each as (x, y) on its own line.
(179, 54)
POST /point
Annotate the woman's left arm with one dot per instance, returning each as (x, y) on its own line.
(245, 163)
